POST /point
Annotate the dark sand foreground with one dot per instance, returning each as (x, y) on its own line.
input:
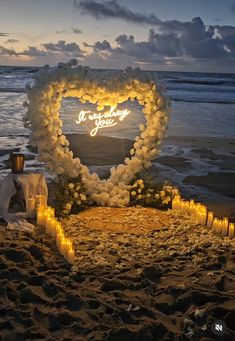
(140, 274)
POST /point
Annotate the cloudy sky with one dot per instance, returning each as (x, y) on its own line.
(174, 35)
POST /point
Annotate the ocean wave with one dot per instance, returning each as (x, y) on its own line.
(200, 88)
(201, 100)
(18, 70)
(18, 90)
(203, 81)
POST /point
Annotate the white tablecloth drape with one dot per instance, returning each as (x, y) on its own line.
(31, 184)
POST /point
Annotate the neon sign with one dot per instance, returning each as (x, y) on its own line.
(102, 120)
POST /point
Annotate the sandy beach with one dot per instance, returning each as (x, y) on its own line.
(145, 252)
(139, 274)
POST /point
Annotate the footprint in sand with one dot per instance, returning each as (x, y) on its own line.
(16, 256)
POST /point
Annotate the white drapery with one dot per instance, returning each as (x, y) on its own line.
(31, 185)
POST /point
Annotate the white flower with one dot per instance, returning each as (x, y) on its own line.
(69, 80)
(175, 191)
(68, 207)
(166, 200)
(71, 185)
(132, 151)
(83, 197)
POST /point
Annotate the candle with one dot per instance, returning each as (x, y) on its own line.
(59, 238)
(180, 203)
(48, 224)
(63, 247)
(219, 226)
(39, 218)
(69, 244)
(191, 206)
(176, 202)
(71, 256)
(182, 206)
(198, 212)
(210, 218)
(53, 227)
(31, 207)
(58, 228)
(215, 224)
(225, 226)
(203, 215)
(186, 206)
(231, 230)
(45, 216)
(51, 212)
(200, 217)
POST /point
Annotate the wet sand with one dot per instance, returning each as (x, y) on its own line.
(202, 168)
(181, 160)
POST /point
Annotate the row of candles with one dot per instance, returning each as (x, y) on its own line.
(203, 216)
(53, 227)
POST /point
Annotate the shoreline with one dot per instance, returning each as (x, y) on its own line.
(203, 168)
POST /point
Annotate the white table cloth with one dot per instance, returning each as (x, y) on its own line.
(32, 183)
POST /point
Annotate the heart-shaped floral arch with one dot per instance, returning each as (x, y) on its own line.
(69, 80)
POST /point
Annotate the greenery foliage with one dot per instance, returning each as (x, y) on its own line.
(145, 192)
(70, 196)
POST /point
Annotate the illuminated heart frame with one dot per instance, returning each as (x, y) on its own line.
(105, 90)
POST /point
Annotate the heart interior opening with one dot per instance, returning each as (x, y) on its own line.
(111, 143)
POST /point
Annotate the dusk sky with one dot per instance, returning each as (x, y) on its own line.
(175, 35)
